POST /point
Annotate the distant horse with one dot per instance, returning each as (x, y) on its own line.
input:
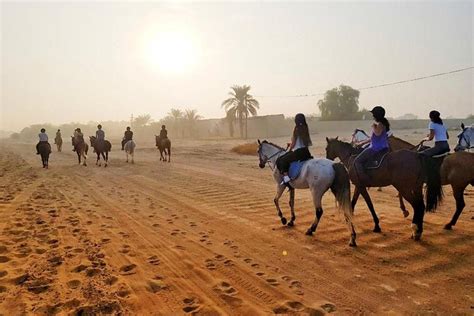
(81, 150)
(466, 138)
(129, 148)
(59, 143)
(318, 175)
(44, 149)
(164, 146)
(101, 148)
(403, 169)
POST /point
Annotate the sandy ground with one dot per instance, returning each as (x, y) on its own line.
(201, 236)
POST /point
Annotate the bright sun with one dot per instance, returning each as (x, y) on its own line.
(172, 52)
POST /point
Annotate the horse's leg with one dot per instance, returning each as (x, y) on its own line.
(280, 190)
(292, 207)
(317, 196)
(415, 198)
(98, 158)
(458, 192)
(133, 155)
(368, 200)
(106, 158)
(126, 153)
(355, 197)
(402, 205)
(169, 154)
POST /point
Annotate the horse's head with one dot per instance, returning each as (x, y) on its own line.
(262, 158)
(465, 138)
(267, 152)
(332, 148)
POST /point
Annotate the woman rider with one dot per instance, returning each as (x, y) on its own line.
(440, 135)
(300, 141)
(378, 142)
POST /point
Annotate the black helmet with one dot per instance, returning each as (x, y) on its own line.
(128, 128)
(434, 114)
(378, 112)
(43, 130)
(99, 126)
(300, 119)
(78, 129)
(163, 126)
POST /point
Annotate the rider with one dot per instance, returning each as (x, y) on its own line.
(128, 135)
(78, 138)
(43, 138)
(100, 136)
(58, 135)
(378, 142)
(298, 150)
(440, 135)
(163, 132)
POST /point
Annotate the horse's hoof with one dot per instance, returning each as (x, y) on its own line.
(352, 243)
(417, 237)
(406, 213)
(283, 221)
(377, 229)
(448, 227)
(309, 232)
(291, 223)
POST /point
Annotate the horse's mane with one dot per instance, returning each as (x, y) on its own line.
(400, 140)
(275, 145)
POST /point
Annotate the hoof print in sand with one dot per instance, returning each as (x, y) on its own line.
(128, 269)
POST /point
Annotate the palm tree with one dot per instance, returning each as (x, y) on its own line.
(240, 105)
(191, 116)
(176, 115)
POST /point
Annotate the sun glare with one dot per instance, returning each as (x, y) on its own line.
(172, 52)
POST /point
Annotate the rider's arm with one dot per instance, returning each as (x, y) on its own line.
(430, 136)
(377, 129)
(293, 143)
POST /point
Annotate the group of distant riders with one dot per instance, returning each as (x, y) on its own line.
(78, 137)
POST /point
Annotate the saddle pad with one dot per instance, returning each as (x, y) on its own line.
(376, 162)
(295, 169)
(441, 155)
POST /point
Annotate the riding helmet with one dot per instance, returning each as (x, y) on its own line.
(378, 112)
(434, 114)
(99, 126)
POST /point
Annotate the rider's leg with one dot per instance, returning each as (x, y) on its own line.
(359, 162)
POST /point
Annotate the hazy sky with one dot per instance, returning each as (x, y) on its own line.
(82, 61)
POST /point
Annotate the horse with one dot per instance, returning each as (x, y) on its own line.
(129, 148)
(466, 138)
(44, 149)
(59, 143)
(403, 169)
(163, 145)
(318, 175)
(101, 148)
(81, 150)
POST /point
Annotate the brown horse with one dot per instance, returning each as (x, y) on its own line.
(81, 150)
(44, 149)
(164, 146)
(101, 148)
(456, 170)
(403, 169)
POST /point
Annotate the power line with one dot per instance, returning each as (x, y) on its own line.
(370, 87)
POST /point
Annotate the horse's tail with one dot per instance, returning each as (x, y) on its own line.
(434, 190)
(341, 188)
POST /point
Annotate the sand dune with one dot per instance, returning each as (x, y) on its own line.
(200, 236)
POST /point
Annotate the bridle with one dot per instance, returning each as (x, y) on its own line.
(268, 158)
(467, 140)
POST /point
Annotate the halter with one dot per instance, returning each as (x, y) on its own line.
(468, 142)
(270, 157)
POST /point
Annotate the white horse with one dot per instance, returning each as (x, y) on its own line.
(129, 148)
(318, 175)
(466, 138)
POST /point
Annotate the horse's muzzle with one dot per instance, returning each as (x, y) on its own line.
(261, 165)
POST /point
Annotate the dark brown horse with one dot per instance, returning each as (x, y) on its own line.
(44, 149)
(101, 148)
(164, 146)
(456, 170)
(81, 150)
(403, 169)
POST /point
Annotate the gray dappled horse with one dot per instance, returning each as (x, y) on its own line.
(318, 175)
(129, 148)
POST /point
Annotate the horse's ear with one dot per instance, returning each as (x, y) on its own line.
(462, 125)
(258, 140)
(337, 137)
(327, 139)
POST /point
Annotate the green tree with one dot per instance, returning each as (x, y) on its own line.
(142, 120)
(341, 103)
(240, 105)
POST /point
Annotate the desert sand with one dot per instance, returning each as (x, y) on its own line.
(200, 235)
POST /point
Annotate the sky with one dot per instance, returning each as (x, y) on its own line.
(95, 61)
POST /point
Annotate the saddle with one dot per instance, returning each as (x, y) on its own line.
(295, 168)
(376, 160)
